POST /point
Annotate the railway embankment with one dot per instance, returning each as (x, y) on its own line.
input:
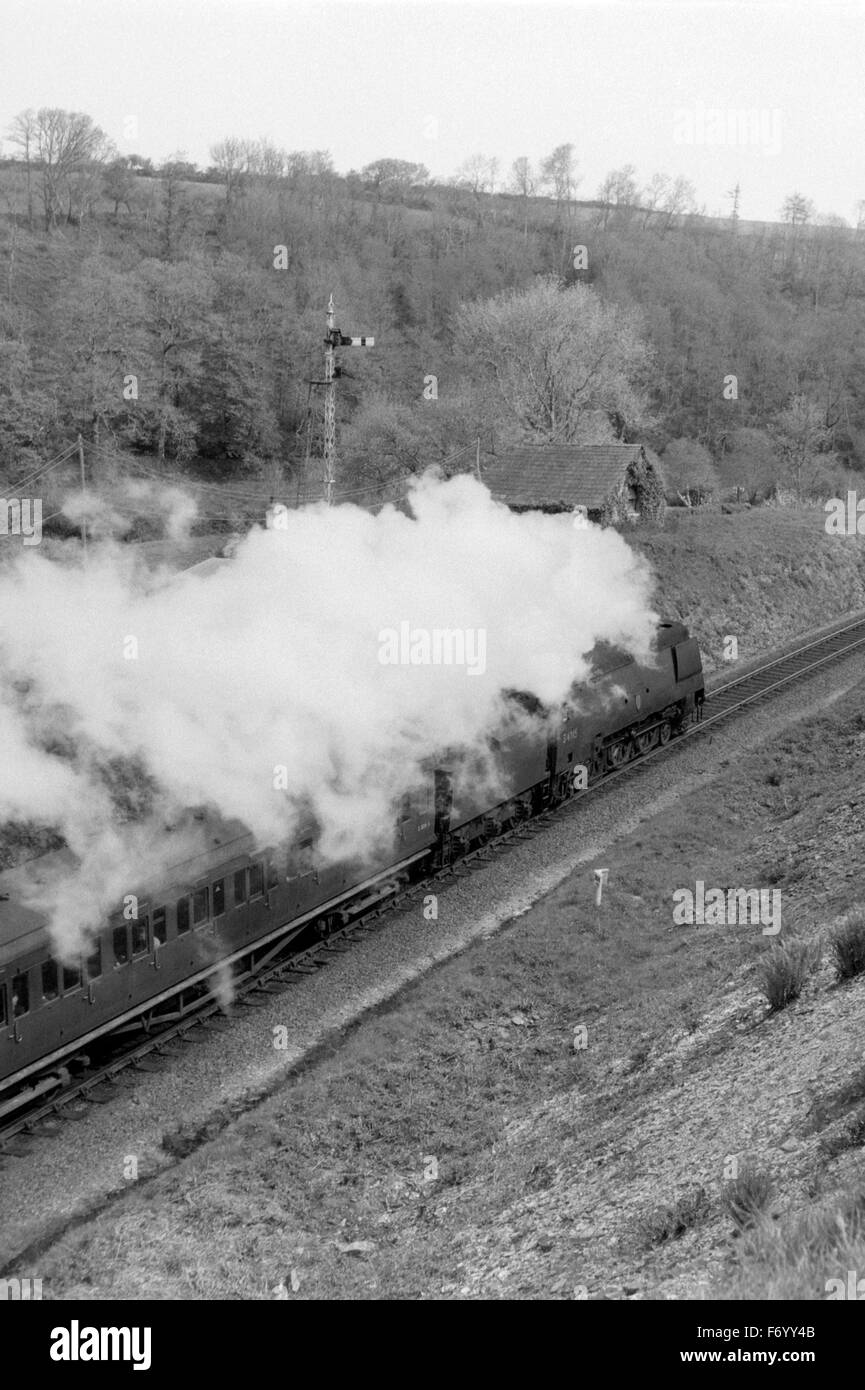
(571, 1106)
(760, 576)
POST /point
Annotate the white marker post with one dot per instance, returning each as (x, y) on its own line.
(601, 876)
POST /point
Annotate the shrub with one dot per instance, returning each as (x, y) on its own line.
(851, 1136)
(848, 947)
(792, 1259)
(784, 972)
(747, 1196)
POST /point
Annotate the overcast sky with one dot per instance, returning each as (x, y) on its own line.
(655, 85)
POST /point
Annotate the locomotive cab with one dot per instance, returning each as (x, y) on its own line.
(625, 709)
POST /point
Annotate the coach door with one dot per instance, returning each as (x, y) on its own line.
(245, 893)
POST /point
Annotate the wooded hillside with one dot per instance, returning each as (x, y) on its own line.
(176, 319)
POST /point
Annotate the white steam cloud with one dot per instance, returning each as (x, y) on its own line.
(212, 681)
(103, 513)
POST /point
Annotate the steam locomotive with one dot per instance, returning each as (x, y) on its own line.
(233, 908)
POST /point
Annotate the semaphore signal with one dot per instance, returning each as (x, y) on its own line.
(333, 340)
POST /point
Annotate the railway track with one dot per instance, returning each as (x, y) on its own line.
(99, 1083)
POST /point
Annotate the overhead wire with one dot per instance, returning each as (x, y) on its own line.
(46, 468)
(235, 492)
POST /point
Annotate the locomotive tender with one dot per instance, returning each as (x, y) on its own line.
(233, 909)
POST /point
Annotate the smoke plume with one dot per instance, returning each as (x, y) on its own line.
(257, 688)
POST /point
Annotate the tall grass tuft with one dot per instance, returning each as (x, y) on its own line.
(783, 973)
(848, 946)
(747, 1196)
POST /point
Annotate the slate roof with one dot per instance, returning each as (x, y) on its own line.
(577, 475)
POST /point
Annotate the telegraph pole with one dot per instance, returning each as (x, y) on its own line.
(333, 340)
(83, 495)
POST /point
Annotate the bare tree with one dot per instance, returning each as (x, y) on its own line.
(804, 442)
(563, 363)
(478, 173)
(671, 197)
(268, 160)
(653, 194)
(22, 133)
(234, 159)
(68, 150)
(394, 176)
(310, 173)
(797, 210)
(559, 175)
(319, 163)
(680, 199)
(619, 189)
(524, 181)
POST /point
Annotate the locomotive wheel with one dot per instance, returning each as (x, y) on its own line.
(619, 754)
(646, 741)
(664, 733)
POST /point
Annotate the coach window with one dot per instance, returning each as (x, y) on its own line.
(2, 1006)
(121, 945)
(240, 886)
(272, 874)
(301, 859)
(20, 994)
(219, 897)
(183, 918)
(93, 963)
(50, 984)
(256, 880)
(71, 977)
(160, 929)
(139, 935)
(200, 906)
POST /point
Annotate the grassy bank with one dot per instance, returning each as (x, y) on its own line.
(761, 575)
(472, 1140)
